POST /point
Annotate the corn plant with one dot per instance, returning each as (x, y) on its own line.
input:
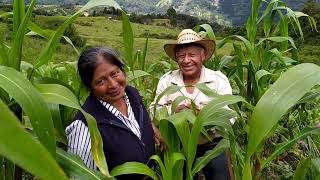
(140, 74)
(282, 95)
(270, 87)
(16, 89)
(182, 139)
(259, 60)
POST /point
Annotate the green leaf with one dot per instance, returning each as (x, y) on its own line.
(247, 44)
(133, 168)
(58, 94)
(16, 50)
(240, 60)
(176, 102)
(224, 61)
(261, 73)
(25, 66)
(48, 51)
(287, 145)
(37, 30)
(206, 90)
(217, 103)
(47, 80)
(143, 58)
(32, 104)
(161, 165)
(316, 164)
(20, 147)
(180, 122)
(310, 96)
(176, 165)
(170, 136)
(56, 117)
(68, 40)
(254, 83)
(127, 36)
(132, 75)
(6, 15)
(302, 169)
(278, 39)
(169, 90)
(282, 95)
(209, 155)
(208, 29)
(221, 118)
(4, 59)
(1, 168)
(18, 15)
(267, 16)
(204, 114)
(223, 42)
(75, 167)
(9, 171)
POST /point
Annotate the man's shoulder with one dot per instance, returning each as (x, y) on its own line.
(169, 75)
(216, 75)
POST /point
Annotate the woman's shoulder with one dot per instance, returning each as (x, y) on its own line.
(133, 94)
(77, 125)
(132, 91)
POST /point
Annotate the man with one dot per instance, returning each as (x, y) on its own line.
(190, 52)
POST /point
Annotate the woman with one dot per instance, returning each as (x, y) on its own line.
(122, 119)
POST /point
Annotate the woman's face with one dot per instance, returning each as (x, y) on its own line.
(108, 82)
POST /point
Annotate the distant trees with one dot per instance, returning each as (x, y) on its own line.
(309, 46)
(311, 36)
(105, 11)
(172, 14)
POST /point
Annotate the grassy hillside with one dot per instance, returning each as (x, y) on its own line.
(100, 31)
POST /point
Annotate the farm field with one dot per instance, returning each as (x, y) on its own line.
(275, 99)
(101, 31)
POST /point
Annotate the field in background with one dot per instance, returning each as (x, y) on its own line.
(102, 31)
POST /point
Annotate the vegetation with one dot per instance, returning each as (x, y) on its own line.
(275, 99)
(107, 32)
(308, 45)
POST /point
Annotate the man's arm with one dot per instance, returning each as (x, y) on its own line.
(163, 102)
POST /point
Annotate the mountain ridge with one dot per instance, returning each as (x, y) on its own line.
(226, 12)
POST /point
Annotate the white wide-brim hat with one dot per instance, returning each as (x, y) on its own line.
(189, 36)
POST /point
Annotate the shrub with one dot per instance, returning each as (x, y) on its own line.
(71, 31)
(73, 34)
(157, 36)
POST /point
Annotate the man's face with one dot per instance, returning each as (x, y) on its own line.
(190, 60)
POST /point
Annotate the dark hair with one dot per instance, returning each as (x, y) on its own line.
(88, 62)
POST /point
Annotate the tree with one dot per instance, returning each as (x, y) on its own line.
(311, 36)
(172, 14)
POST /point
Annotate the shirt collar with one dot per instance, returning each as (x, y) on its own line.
(112, 109)
(178, 77)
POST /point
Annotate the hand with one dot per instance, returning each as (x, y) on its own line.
(188, 106)
(183, 106)
(158, 139)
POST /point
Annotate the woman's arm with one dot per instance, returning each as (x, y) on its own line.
(79, 142)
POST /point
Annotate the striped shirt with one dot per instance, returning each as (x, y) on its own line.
(129, 121)
(79, 141)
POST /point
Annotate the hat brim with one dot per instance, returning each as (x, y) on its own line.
(209, 46)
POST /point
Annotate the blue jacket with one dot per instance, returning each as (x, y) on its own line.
(120, 144)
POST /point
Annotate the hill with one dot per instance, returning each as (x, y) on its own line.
(227, 12)
(100, 31)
